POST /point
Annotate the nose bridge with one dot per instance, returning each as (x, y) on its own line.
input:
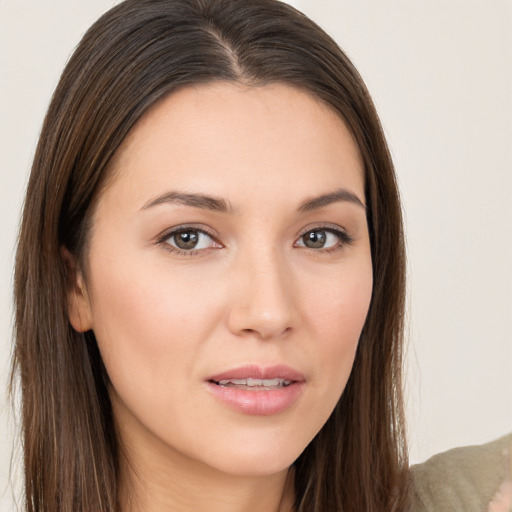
(263, 298)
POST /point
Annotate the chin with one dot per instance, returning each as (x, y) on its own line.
(255, 454)
(256, 464)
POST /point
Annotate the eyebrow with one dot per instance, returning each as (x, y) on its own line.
(340, 195)
(195, 200)
(220, 205)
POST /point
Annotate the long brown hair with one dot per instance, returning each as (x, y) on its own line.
(131, 57)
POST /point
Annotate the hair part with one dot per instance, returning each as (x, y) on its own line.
(134, 55)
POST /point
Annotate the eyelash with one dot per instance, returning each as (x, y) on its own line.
(343, 239)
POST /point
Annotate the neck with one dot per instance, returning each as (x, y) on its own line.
(155, 488)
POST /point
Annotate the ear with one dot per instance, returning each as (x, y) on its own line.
(79, 306)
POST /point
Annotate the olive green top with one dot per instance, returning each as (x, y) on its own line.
(469, 479)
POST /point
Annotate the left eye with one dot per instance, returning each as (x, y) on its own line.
(319, 239)
(189, 240)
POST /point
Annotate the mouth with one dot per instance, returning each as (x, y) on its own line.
(254, 377)
(251, 384)
(256, 390)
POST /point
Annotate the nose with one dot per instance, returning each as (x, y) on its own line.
(263, 298)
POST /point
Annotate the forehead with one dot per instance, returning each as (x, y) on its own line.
(225, 138)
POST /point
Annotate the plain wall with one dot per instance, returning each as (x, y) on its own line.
(441, 76)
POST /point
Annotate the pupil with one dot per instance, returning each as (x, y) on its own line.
(315, 239)
(186, 239)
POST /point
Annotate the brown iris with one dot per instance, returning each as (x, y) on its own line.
(314, 239)
(186, 239)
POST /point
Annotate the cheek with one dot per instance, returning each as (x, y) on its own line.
(144, 319)
(339, 304)
(336, 315)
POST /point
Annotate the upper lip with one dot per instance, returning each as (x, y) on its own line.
(260, 372)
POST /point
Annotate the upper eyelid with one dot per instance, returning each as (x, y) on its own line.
(209, 231)
(164, 235)
(327, 226)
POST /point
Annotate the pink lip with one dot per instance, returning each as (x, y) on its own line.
(258, 372)
(258, 402)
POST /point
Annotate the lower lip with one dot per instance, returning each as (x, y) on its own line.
(262, 402)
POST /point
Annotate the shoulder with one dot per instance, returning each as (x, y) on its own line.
(463, 479)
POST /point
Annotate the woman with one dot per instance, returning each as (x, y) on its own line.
(188, 336)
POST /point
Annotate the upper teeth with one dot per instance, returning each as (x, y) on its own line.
(255, 382)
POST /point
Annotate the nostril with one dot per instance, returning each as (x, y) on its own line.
(267, 333)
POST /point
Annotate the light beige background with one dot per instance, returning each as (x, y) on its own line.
(441, 75)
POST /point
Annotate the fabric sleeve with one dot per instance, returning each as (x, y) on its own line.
(468, 479)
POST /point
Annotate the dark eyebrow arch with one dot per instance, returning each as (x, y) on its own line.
(194, 200)
(340, 195)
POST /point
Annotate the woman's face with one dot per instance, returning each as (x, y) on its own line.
(228, 276)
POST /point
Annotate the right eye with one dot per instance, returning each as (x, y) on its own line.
(189, 240)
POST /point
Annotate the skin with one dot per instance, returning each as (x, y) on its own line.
(253, 293)
(502, 500)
